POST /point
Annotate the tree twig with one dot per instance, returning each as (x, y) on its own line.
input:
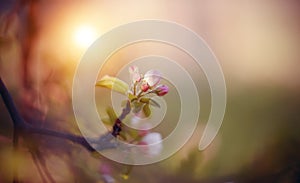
(22, 128)
(118, 123)
(8, 101)
(17, 123)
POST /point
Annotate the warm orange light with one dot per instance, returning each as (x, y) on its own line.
(84, 36)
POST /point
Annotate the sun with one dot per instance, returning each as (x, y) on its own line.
(84, 36)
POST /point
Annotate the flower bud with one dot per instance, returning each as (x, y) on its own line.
(145, 86)
(161, 90)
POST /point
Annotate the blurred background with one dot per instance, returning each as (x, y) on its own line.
(256, 42)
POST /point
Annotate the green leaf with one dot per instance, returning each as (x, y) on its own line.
(133, 133)
(137, 106)
(112, 115)
(150, 101)
(107, 121)
(114, 84)
(145, 100)
(131, 97)
(147, 110)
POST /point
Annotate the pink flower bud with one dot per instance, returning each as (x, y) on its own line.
(145, 86)
(161, 90)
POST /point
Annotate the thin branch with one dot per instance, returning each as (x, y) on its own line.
(66, 136)
(125, 111)
(21, 126)
(118, 123)
(9, 103)
(17, 123)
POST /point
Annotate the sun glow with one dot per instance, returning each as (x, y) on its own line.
(84, 36)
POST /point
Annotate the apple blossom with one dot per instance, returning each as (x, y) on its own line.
(135, 120)
(139, 99)
(152, 142)
(152, 77)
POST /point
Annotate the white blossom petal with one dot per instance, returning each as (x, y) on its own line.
(135, 75)
(135, 121)
(154, 144)
(152, 77)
